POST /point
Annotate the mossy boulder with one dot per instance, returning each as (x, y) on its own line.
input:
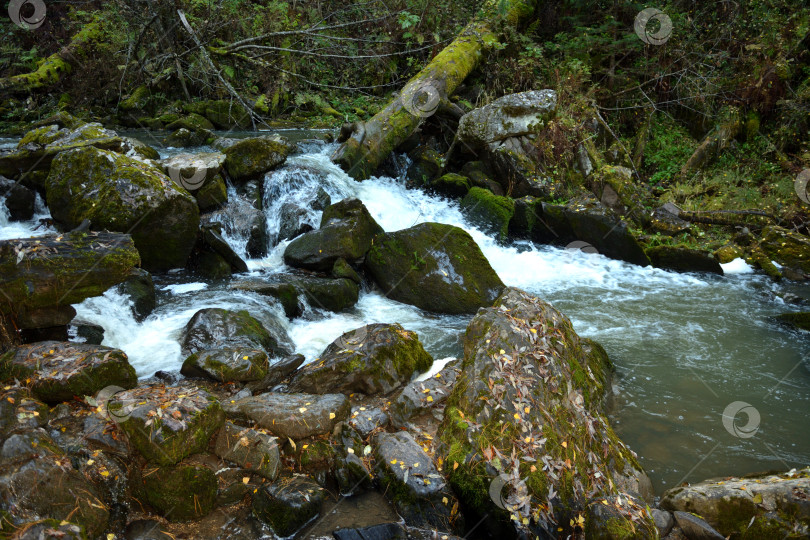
(758, 506)
(342, 269)
(212, 195)
(191, 122)
(435, 267)
(225, 114)
(288, 503)
(254, 450)
(59, 371)
(510, 116)
(227, 364)
(184, 137)
(37, 482)
(167, 423)
(347, 232)
(682, 259)
(729, 252)
(614, 186)
(285, 293)
(451, 185)
(531, 387)
(216, 327)
(788, 248)
(123, 194)
(138, 100)
(799, 320)
(373, 359)
(296, 416)
(255, 156)
(489, 211)
(180, 492)
(412, 482)
(324, 293)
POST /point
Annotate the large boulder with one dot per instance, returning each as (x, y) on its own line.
(373, 359)
(756, 506)
(255, 156)
(41, 277)
(435, 267)
(212, 328)
(253, 450)
(788, 248)
(180, 492)
(510, 116)
(296, 416)
(288, 504)
(227, 364)
(490, 212)
(18, 200)
(119, 193)
(526, 423)
(325, 293)
(682, 259)
(347, 231)
(193, 172)
(59, 371)
(37, 481)
(167, 423)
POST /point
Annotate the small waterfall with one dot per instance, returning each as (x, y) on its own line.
(36, 226)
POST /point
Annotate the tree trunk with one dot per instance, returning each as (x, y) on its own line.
(374, 140)
(715, 142)
(55, 66)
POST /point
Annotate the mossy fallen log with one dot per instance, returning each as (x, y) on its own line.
(372, 141)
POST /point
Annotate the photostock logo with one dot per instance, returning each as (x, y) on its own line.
(516, 496)
(802, 187)
(109, 395)
(730, 419)
(420, 98)
(190, 182)
(643, 28)
(27, 14)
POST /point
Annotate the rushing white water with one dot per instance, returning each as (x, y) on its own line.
(685, 345)
(25, 229)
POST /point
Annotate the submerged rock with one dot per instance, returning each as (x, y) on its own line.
(296, 416)
(435, 267)
(530, 387)
(347, 231)
(60, 371)
(216, 327)
(373, 359)
(167, 423)
(122, 194)
(766, 506)
(799, 320)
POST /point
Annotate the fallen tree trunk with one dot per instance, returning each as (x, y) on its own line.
(715, 142)
(371, 142)
(55, 66)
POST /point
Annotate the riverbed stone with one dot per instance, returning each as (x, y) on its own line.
(696, 528)
(435, 267)
(216, 327)
(664, 521)
(412, 482)
(800, 320)
(367, 419)
(285, 293)
(227, 364)
(550, 406)
(489, 211)
(681, 259)
(325, 293)
(347, 231)
(140, 288)
(276, 373)
(180, 492)
(119, 193)
(59, 371)
(254, 156)
(252, 449)
(167, 423)
(296, 416)
(419, 396)
(777, 504)
(288, 503)
(373, 359)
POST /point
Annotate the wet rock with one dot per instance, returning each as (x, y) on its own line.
(37, 481)
(41, 277)
(411, 481)
(373, 359)
(771, 506)
(695, 528)
(216, 327)
(426, 165)
(228, 364)
(786, 247)
(490, 212)
(213, 194)
(342, 269)
(323, 293)
(293, 222)
(556, 390)
(167, 423)
(254, 156)
(451, 185)
(140, 289)
(59, 371)
(682, 259)
(146, 529)
(366, 420)
(19, 200)
(276, 373)
(180, 492)
(351, 474)
(50, 529)
(249, 448)
(799, 320)
(285, 293)
(605, 519)
(209, 265)
(420, 396)
(296, 416)
(435, 267)
(212, 238)
(115, 192)
(664, 521)
(19, 409)
(288, 504)
(322, 200)
(346, 232)
(92, 334)
(391, 531)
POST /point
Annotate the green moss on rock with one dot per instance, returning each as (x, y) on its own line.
(180, 492)
(491, 211)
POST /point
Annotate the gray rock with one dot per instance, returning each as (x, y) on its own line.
(419, 396)
(285, 293)
(664, 521)
(366, 420)
(510, 116)
(193, 171)
(288, 504)
(325, 293)
(249, 448)
(293, 222)
(695, 528)
(216, 327)
(276, 373)
(227, 364)
(212, 238)
(296, 416)
(140, 289)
